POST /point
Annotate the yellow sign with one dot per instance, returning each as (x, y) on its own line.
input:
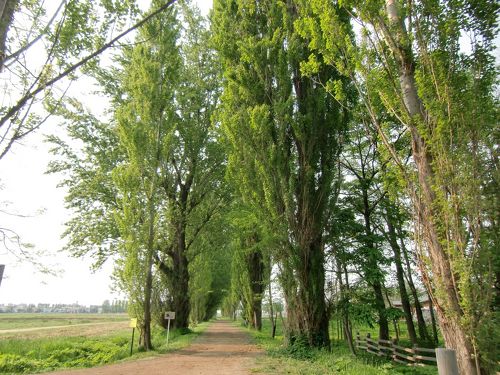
(133, 323)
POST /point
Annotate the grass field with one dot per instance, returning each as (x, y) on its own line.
(75, 346)
(301, 360)
(13, 321)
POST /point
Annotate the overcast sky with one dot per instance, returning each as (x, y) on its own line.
(26, 190)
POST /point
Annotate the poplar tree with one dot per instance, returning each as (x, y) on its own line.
(284, 132)
(143, 120)
(194, 166)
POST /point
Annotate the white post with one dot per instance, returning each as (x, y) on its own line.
(446, 361)
(168, 330)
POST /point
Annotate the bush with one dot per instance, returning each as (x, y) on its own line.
(86, 354)
(16, 363)
(299, 349)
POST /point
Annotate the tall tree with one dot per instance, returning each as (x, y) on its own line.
(284, 133)
(151, 71)
(364, 192)
(194, 166)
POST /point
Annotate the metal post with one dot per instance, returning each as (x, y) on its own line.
(446, 361)
(132, 343)
(168, 329)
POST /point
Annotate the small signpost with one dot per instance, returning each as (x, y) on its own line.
(133, 325)
(169, 315)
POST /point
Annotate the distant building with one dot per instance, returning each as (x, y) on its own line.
(425, 303)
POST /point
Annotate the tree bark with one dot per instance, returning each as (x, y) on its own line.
(344, 296)
(433, 320)
(312, 316)
(376, 278)
(149, 272)
(147, 305)
(255, 264)
(180, 283)
(7, 8)
(271, 307)
(405, 301)
(422, 326)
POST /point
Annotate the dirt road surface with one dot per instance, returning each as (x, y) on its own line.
(221, 350)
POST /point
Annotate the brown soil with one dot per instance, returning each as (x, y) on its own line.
(221, 349)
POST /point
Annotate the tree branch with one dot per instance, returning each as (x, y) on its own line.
(20, 104)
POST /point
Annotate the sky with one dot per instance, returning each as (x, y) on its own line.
(25, 189)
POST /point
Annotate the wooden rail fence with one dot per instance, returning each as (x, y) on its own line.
(414, 356)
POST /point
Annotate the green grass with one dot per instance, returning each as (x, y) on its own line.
(28, 320)
(39, 355)
(301, 360)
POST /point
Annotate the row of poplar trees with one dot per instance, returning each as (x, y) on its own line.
(301, 137)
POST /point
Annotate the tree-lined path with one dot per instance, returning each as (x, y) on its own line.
(221, 349)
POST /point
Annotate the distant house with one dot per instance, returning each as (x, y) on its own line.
(425, 302)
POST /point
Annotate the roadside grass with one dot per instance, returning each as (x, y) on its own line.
(40, 355)
(29, 320)
(299, 359)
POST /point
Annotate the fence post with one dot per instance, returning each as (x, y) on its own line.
(415, 354)
(358, 339)
(393, 343)
(446, 361)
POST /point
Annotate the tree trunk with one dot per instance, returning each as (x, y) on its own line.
(149, 278)
(180, 283)
(422, 326)
(405, 301)
(255, 264)
(147, 306)
(395, 322)
(443, 276)
(433, 320)
(7, 8)
(271, 307)
(312, 317)
(383, 323)
(344, 296)
(377, 277)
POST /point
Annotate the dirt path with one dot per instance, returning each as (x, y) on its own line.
(221, 349)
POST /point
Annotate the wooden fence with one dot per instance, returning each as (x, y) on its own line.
(388, 348)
